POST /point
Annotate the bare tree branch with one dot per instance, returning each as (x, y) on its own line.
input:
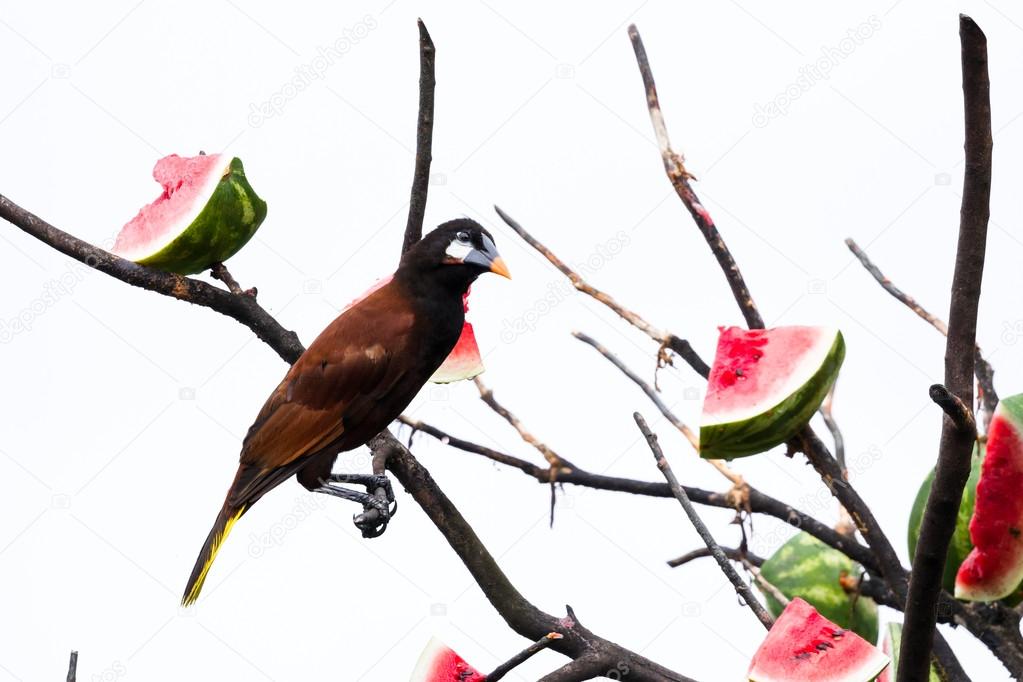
(740, 585)
(238, 306)
(556, 461)
(687, 433)
(520, 615)
(982, 368)
(424, 140)
(667, 340)
(732, 553)
(72, 667)
(523, 656)
(757, 503)
(674, 166)
(829, 420)
(958, 431)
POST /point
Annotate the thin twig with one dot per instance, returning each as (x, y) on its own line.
(674, 166)
(957, 433)
(424, 140)
(72, 667)
(758, 502)
(764, 584)
(523, 656)
(732, 553)
(220, 271)
(666, 339)
(983, 370)
(741, 588)
(556, 461)
(726, 471)
(836, 433)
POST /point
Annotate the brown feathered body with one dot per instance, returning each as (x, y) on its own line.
(352, 381)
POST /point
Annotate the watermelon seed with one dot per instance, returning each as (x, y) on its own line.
(823, 646)
(838, 633)
(1014, 532)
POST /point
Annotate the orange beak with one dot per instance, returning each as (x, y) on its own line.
(498, 267)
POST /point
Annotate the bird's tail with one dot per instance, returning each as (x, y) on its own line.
(228, 516)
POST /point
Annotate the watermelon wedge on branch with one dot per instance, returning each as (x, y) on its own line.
(765, 385)
(439, 663)
(207, 212)
(804, 646)
(994, 568)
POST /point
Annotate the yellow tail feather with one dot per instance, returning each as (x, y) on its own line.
(228, 517)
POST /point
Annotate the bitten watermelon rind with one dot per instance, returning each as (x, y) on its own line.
(778, 422)
(227, 222)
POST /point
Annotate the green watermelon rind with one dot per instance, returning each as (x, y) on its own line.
(805, 567)
(892, 643)
(779, 422)
(227, 222)
(960, 545)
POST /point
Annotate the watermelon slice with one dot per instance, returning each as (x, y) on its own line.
(804, 646)
(765, 385)
(463, 362)
(207, 212)
(892, 642)
(994, 568)
(960, 546)
(438, 663)
(805, 567)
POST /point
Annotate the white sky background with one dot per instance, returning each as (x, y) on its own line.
(123, 410)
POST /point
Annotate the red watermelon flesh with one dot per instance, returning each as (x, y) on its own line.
(765, 384)
(438, 663)
(185, 182)
(464, 361)
(804, 646)
(994, 568)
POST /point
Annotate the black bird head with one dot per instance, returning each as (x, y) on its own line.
(457, 252)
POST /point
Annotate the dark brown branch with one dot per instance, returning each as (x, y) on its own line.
(583, 668)
(523, 656)
(757, 502)
(424, 140)
(982, 368)
(730, 552)
(958, 431)
(741, 587)
(240, 307)
(674, 166)
(667, 340)
(954, 408)
(72, 667)
(520, 615)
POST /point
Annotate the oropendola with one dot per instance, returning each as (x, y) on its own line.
(355, 379)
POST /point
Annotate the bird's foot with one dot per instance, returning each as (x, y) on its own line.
(378, 501)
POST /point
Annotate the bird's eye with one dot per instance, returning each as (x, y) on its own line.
(462, 237)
